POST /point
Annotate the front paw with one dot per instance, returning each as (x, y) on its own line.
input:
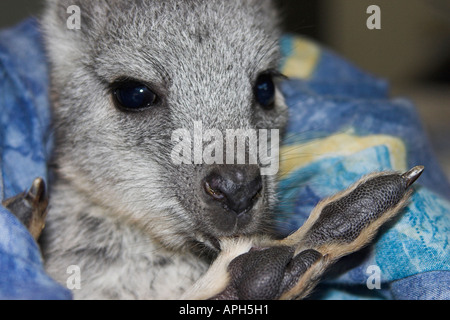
(266, 274)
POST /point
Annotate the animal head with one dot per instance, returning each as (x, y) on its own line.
(135, 72)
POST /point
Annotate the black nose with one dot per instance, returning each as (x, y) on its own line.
(237, 188)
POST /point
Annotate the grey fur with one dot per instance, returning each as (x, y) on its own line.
(119, 209)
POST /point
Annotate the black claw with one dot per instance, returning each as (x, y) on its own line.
(37, 197)
(37, 190)
(412, 175)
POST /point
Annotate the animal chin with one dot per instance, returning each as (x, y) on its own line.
(212, 241)
(209, 241)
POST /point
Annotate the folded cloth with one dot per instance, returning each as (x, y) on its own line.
(25, 142)
(342, 125)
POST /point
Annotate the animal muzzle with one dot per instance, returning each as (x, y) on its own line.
(232, 192)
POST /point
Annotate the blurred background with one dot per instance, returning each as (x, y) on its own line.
(412, 48)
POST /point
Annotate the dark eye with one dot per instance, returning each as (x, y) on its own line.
(264, 90)
(134, 96)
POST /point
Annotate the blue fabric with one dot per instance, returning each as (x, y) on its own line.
(343, 123)
(412, 288)
(349, 126)
(24, 148)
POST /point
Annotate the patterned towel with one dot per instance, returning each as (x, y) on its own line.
(343, 125)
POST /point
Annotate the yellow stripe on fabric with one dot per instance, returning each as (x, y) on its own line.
(302, 60)
(299, 155)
